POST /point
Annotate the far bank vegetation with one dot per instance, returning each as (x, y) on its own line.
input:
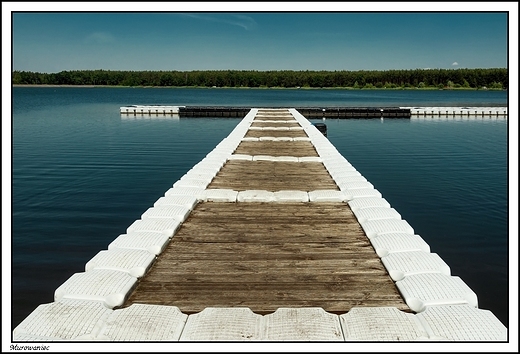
(495, 78)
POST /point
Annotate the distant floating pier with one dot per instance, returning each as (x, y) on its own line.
(458, 111)
(150, 109)
(315, 112)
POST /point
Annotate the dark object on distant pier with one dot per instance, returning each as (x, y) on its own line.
(322, 127)
(226, 112)
(355, 112)
(308, 112)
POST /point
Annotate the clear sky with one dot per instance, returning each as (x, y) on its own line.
(176, 36)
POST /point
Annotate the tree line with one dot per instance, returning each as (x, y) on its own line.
(494, 78)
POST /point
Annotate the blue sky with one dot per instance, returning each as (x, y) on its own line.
(258, 38)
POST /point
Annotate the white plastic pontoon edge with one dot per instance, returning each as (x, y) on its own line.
(90, 320)
(176, 212)
(134, 262)
(273, 121)
(285, 159)
(327, 196)
(24, 337)
(264, 158)
(67, 319)
(291, 196)
(338, 173)
(223, 324)
(283, 138)
(153, 242)
(352, 194)
(381, 324)
(190, 191)
(301, 324)
(347, 184)
(143, 322)
(375, 228)
(376, 213)
(336, 170)
(355, 177)
(462, 323)
(309, 159)
(199, 174)
(368, 202)
(220, 195)
(255, 196)
(192, 182)
(186, 201)
(403, 264)
(432, 289)
(241, 157)
(166, 226)
(267, 138)
(398, 242)
(110, 286)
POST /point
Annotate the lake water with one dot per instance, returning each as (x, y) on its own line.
(82, 173)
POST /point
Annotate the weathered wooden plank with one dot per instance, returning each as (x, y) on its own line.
(247, 238)
(277, 291)
(279, 167)
(259, 250)
(263, 233)
(357, 265)
(273, 176)
(319, 216)
(276, 148)
(274, 223)
(333, 210)
(280, 172)
(294, 277)
(317, 221)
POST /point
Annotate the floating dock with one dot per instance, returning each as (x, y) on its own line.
(458, 111)
(315, 112)
(273, 236)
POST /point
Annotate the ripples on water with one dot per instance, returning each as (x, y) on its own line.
(82, 174)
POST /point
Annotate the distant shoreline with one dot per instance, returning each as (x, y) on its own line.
(268, 88)
(26, 85)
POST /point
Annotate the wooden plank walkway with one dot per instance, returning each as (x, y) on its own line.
(267, 256)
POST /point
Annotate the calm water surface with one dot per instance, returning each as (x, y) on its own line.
(81, 174)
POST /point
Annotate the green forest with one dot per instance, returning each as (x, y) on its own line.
(494, 78)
